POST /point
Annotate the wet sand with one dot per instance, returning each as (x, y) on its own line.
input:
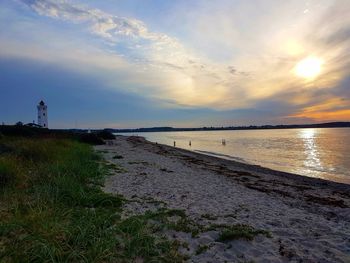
(308, 219)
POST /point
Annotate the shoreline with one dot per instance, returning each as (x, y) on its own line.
(308, 218)
(317, 153)
(255, 167)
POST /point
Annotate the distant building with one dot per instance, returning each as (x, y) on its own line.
(42, 115)
(33, 125)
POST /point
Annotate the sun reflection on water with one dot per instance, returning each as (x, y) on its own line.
(312, 154)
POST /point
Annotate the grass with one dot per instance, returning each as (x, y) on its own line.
(53, 210)
(112, 167)
(201, 249)
(7, 171)
(165, 219)
(240, 231)
(209, 217)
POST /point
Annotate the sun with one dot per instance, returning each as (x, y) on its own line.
(309, 68)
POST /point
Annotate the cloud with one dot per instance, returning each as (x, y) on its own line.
(112, 28)
(165, 65)
(330, 109)
(101, 23)
(233, 58)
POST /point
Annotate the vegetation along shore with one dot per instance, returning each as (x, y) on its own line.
(52, 208)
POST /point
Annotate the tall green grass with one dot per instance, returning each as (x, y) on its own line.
(53, 210)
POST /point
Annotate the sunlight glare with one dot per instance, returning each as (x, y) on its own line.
(309, 67)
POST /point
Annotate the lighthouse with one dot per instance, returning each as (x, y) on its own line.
(42, 114)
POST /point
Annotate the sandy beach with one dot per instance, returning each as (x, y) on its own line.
(301, 219)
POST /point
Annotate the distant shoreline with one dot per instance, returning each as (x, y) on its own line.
(251, 127)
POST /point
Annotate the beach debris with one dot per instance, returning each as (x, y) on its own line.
(166, 170)
(326, 201)
(117, 156)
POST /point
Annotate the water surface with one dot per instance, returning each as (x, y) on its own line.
(322, 153)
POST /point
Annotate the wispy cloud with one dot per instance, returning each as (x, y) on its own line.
(101, 23)
(134, 33)
(172, 70)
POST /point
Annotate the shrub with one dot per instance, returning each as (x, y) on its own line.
(106, 135)
(24, 131)
(90, 138)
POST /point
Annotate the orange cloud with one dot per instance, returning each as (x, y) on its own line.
(339, 115)
(333, 109)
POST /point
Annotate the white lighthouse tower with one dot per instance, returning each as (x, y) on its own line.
(42, 114)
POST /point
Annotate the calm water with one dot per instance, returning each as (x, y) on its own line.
(323, 153)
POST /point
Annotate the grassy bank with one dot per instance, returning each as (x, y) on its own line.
(53, 210)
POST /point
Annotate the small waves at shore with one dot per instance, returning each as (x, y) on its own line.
(225, 156)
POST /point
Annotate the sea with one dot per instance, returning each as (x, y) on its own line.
(313, 152)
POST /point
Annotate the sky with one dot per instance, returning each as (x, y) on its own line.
(179, 63)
